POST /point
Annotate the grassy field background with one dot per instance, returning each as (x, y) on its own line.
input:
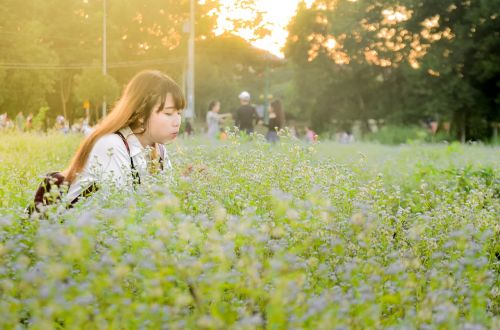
(24, 158)
(259, 236)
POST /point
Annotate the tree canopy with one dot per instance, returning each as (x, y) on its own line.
(398, 61)
(401, 61)
(52, 56)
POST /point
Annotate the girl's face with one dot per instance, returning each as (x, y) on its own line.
(163, 124)
(216, 107)
(270, 109)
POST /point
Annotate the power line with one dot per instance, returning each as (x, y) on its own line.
(123, 64)
(41, 36)
(151, 62)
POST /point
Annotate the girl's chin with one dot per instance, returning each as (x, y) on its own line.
(169, 140)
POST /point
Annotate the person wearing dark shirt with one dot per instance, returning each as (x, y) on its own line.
(246, 114)
(276, 121)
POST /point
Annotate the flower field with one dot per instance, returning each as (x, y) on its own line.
(247, 235)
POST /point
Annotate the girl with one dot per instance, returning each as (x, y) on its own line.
(128, 144)
(276, 121)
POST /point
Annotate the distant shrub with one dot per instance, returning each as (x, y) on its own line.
(39, 119)
(398, 135)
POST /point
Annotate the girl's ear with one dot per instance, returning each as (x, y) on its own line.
(141, 123)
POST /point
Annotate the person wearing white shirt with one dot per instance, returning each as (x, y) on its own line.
(129, 143)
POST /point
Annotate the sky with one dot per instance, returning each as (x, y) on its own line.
(277, 13)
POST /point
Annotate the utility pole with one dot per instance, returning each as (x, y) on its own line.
(104, 54)
(266, 91)
(190, 113)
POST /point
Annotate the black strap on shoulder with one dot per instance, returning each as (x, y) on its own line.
(86, 193)
(162, 155)
(93, 188)
(135, 175)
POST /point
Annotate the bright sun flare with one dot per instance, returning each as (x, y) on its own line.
(277, 14)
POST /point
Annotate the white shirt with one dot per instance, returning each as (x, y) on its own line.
(109, 162)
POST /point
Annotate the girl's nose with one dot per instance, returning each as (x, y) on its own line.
(177, 121)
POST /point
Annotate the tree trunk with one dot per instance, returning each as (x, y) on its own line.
(463, 135)
(96, 113)
(364, 120)
(63, 101)
(64, 93)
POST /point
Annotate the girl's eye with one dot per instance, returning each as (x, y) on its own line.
(169, 112)
(172, 113)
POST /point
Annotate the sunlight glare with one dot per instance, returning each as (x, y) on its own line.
(277, 15)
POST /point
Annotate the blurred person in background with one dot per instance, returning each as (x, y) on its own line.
(59, 124)
(246, 114)
(188, 128)
(311, 136)
(29, 122)
(276, 121)
(86, 129)
(214, 119)
(3, 121)
(20, 121)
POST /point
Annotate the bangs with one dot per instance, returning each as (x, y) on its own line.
(179, 99)
(177, 96)
(162, 85)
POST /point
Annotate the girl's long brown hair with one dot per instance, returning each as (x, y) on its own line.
(135, 106)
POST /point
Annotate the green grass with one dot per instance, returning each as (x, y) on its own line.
(259, 237)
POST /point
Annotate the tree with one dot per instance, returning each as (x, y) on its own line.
(95, 87)
(56, 40)
(25, 82)
(403, 61)
(73, 32)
